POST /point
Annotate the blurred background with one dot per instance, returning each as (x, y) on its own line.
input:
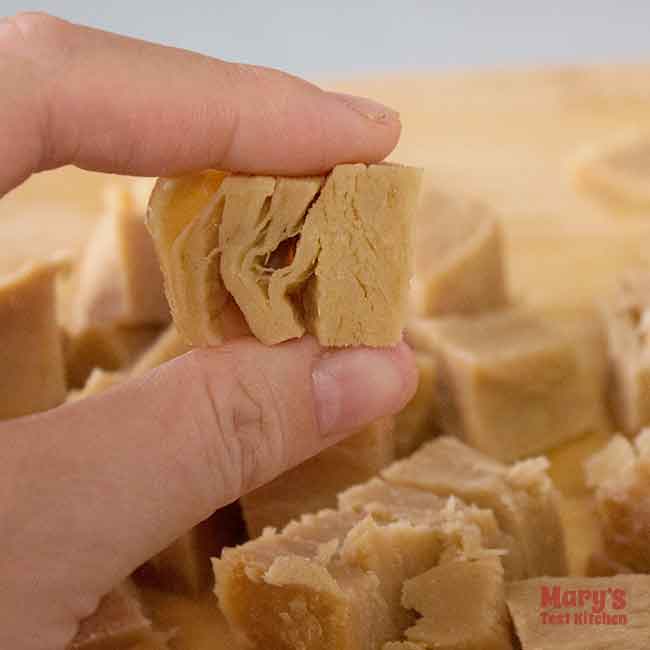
(344, 37)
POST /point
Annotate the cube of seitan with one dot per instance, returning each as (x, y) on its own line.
(462, 606)
(392, 552)
(166, 347)
(119, 623)
(418, 421)
(460, 265)
(314, 484)
(98, 381)
(567, 462)
(522, 496)
(627, 321)
(291, 590)
(582, 535)
(410, 531)
(472, 530)
(334, 580)
(620, 478)
(600, 565)
(32, 370)
(117, 281)
(511, 383)
(330, 256)
(196, 624)
(617, 170)
(581, 613)
(108, 348)
(185, 566)
(179, 218)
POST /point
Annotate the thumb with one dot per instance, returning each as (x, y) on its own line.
(105, 483)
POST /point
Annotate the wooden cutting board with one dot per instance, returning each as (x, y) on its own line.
(505, 137)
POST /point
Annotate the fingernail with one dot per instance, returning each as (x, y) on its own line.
(369, 108)
(356, 386)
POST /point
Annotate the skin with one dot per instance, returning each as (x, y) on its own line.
(90, 490)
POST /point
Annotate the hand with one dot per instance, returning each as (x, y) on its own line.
(90, 490)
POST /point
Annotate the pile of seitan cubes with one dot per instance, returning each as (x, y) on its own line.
(439, 528)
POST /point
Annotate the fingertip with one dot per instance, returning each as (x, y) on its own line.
(405, 360)
(368, 108)
(378, 126)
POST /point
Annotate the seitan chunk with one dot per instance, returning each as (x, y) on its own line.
(462, 606)
(522, 497)
(108, 348)
(460, 266)
(627, 321)
(329, 256)
(418, 421)
(289, 590)
(334, 580)
(617, 170)
(620, 478)
(32, 370)
(407, 534)
(118, 624)
(512, 384)
(474, 531)
(117, 281)
(185, 567)
(314, 484)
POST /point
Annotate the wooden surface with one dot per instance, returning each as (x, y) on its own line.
(507, 138)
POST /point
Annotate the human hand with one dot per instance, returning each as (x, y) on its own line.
(91, 490)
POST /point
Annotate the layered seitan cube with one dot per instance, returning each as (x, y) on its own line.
(330, 256)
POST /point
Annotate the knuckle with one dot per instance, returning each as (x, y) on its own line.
(242, 430)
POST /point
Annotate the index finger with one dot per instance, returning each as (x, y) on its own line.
(72, 94)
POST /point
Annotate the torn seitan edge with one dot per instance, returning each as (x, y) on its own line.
(619, 476)
(336, 579)
(330, 256)
(626, 316)
(119, 623)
